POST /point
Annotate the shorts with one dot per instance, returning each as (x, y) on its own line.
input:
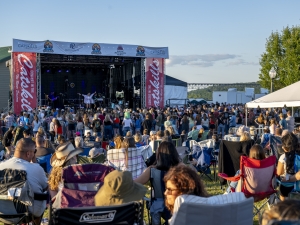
(71, 126)
(116, 125)
(212, 126)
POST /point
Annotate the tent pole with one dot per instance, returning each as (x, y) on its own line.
(246, 116)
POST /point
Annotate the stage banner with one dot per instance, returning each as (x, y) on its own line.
(154, 82)
(24, 81)
(96, 49)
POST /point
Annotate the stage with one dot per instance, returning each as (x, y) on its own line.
(116, 72)
(67, 76)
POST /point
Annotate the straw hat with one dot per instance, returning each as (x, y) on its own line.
(119, 188)
(63, 153)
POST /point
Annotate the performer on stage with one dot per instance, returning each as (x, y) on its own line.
(88, 99)
(52, 100)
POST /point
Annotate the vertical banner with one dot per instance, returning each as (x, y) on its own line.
(155, 82)
(24, 81)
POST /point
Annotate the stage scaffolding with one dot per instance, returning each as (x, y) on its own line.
(143, 83)
(38, 79)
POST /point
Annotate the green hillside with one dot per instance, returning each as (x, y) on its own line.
(206, 93)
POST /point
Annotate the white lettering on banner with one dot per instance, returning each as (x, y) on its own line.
(155, 74)
(25, 62)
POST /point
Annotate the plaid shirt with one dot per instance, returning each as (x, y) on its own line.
(136, 164)
(9, 121)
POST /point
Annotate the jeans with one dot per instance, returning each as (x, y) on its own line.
(221, 129)
(125, 130)
(108, 131)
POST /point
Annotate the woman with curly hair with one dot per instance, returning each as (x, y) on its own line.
(64, 155)
(118, 141)
(182, 180)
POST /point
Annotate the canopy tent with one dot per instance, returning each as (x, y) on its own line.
(287, 96)
(175, 90)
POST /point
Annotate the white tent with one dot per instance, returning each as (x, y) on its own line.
(288, 96)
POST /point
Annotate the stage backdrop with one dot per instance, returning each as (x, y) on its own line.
(24, 81)
(155, 82)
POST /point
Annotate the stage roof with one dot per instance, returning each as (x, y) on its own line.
(175, 82)
(89, 48)
(4, 54)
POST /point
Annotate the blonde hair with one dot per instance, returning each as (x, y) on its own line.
(128, 134)
(137, 138)
(171, 130)
(55, 178)
(118, 142)
(245, 136)
(48, 144)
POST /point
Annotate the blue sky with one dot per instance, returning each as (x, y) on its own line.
(209, 41)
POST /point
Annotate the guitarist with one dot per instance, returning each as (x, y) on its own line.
(52, 100)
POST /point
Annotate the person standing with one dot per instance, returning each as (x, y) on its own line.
(88, 99)
(290, 120)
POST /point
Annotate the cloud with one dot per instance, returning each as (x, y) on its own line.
(240, 62)
(198, 60)
(207, 60)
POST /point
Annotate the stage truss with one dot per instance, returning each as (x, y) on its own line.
(143, 83)
(38, 79)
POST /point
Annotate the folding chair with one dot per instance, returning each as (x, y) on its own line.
(229, 156)
(44, 162)
(256, 179)
(130, 213)
(231, 209)
(80, 185)
(203, 152)
(16, 197)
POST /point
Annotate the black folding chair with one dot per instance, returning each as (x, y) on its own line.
(130, 213)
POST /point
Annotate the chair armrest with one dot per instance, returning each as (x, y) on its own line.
(224, 176)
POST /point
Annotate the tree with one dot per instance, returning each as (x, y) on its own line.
(282, 53)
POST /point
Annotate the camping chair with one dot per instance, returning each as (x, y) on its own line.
(256, 179)
(276, 146)
(135, 162)
(231, 209)
(130, 213)
(229, 156)
(16, 197)
(156, 200)
(203, 152)
(44, 162)
(80, 185)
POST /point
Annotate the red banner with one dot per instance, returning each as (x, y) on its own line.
(155, 82)
(24, 81)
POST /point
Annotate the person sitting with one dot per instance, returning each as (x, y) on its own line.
(245, 136)
(118, 141)
(288, 210)
(193, 134)
(173, 133)
(24, 159)
(138, 140)
(182, 180)
(166, 158)
(78, 140)
(286, 163)
(145, 136)
(256, 152)
(119, 188)
(128, 134)
(64, 155)
(88, 137)
(40, 149)
(97, 150)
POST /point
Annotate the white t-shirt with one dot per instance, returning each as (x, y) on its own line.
(36, 125)
(127, 122)
(282, 160)
(36, 178)
(205, 122)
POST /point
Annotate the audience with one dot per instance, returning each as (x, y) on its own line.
(245, 136)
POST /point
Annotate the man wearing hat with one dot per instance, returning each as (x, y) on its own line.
(119, 188)
(23, 159)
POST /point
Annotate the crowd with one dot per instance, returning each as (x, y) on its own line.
(124, 140)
